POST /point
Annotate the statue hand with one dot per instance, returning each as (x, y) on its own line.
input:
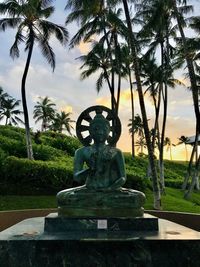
(80, 176)
(117, 184)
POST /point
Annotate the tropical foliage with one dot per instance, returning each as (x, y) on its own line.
(30, 20)
(44, 111)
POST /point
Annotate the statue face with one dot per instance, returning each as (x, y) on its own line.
(99, 131)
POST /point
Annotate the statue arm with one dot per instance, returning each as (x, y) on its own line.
(122, 173)
(79, 173)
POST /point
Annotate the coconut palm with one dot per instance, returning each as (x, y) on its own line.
(3, 96)
(44, 111)
(168, 145)
(62, 121)
(29, 17)
(97, 17)
(132, 42)
(136, 126)
(192, 76)
(127, 73)
(10, 111)
(183, 140)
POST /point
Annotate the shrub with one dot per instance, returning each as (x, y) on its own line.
(29, 176)
(46, 153)
(63, 142)
(12, 132)
(3, 156)
(13, 147)
(135, 181)
(173, 183)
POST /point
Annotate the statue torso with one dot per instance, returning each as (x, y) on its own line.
(103, 171)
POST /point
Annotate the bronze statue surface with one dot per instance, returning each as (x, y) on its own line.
(100, 165)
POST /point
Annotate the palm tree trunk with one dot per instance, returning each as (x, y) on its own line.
(161, 154)
(186, 152)
(189, 169)
(24, 104)
(190, 66)
(195, 177)
(112, 82)
(156, 189)
(118, 61)
(132, 113)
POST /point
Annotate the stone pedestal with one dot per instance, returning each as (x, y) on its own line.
(57, 224)
(27, 245)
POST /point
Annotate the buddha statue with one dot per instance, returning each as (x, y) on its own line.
(100, 166)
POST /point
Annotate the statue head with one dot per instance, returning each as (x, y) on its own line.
(99, 129)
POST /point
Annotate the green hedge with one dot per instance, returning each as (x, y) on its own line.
(46, 153)
(135, 181)
(68, 144)
(13, 147)
(174, 183)
(20, 175)
(12, 132)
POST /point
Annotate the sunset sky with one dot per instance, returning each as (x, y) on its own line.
(70, 94)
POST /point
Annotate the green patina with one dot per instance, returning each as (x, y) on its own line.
(104, 175)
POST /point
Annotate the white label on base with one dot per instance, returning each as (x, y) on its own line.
(102, 224)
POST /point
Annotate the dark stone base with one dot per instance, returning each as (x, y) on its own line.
(57, 224)
(26, 245)
(100, 212)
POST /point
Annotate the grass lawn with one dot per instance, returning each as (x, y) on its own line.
(27, 202)
(172, 201)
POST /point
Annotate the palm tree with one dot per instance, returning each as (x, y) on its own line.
(97, 60)
(3, 96)
(192, 76)
(141, 143)
(132, 42)
(127, 62)
(62, 122)
(98, 17)
(168, 145)
(157, 30)
(44, 111)
(136, 126)
(29, 17)
(183, 140)
(10, 111)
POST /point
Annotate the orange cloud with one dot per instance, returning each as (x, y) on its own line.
(84, 48)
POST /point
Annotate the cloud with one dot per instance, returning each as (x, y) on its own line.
(84, 48)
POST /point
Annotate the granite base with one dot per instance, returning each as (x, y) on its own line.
(27, 245)
(59, 224)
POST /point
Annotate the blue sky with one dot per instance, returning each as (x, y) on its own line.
(70, 94)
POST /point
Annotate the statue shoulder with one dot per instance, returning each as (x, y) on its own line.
(82, 151)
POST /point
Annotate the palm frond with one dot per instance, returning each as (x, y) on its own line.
(47, 52)
(9, 23)
(48, 28)
(19, 38)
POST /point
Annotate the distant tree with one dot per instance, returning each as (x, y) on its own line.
(183, 140)
(62, 122)
(168, 144)
(10, 111)
(44, 111)
(3, 96)
(29, 17)
(136, 126)
(141, 143)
